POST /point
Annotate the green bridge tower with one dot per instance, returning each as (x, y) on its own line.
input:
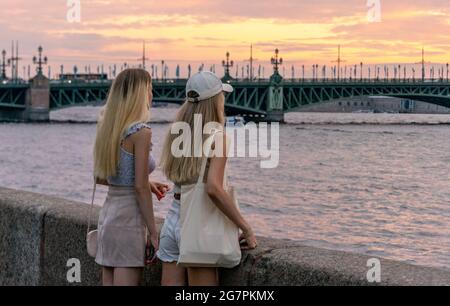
(275, 112)
(38, 94)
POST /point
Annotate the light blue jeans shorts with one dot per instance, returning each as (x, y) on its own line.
(169, 243)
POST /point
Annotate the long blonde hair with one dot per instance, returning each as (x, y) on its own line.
(127, 104)
(184, 169)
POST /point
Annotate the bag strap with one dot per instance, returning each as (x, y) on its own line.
(209, 143)
(92, 205)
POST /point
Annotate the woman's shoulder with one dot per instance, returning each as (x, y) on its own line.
(137, 127)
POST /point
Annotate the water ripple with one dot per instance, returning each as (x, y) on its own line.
(381, 189)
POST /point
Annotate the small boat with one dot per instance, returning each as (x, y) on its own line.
(235, 121)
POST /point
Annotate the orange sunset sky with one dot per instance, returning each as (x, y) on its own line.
(196, 31)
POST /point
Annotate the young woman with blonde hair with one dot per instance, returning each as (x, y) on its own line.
(122, 160)
(205, 100)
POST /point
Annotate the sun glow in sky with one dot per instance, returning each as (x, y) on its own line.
(201, 31)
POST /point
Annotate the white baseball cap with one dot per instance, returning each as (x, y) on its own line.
(205, 85)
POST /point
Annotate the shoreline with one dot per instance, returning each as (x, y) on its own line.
(88, 122)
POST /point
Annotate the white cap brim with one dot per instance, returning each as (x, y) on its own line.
(227, 87)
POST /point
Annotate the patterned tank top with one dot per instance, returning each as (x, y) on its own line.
(126, 172)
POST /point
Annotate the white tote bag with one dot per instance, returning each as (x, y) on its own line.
(208, 237)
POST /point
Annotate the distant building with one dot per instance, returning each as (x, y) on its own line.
(377, 105)
(86, 77)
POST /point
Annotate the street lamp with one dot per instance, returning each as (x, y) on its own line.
(227, 65)
(447, 72)
(39, 61)
(276, 62)
(317, 72)
(4, 65)
(361, 64)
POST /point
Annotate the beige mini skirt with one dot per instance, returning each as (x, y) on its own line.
(121, 230)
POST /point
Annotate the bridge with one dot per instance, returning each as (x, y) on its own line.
(266, 100)
(258, 99)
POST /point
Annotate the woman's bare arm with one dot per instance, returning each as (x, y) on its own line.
(141, 142)
(222, 199)
(219, 196)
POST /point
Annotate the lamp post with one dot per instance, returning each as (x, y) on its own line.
(177, 72)
(276, 62)
(303, 73)
(227, 64)
(447, 72)
(40, 61)
(361, 64)
(5, 64)
(317, 72)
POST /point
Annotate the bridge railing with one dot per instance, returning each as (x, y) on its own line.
(244, 81)
(367, 81)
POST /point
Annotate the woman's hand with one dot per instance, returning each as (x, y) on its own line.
(159, 189)
(154, 240)
(151, 249)
(250, 240)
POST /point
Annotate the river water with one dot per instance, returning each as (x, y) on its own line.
(375, 184)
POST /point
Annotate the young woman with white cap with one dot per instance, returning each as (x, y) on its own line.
(204, 97)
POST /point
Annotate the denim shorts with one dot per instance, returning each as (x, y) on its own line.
(169, 243)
